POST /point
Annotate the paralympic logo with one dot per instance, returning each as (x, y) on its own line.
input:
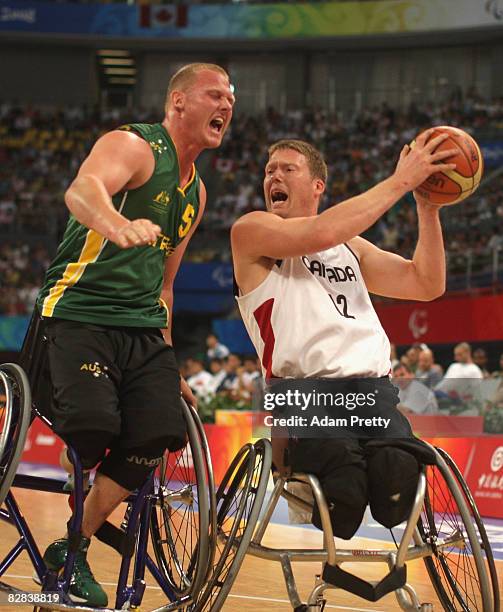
(493, 7)
(222, 275)
(418, 323)
(497, 459)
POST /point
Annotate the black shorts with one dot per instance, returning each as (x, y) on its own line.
(120, 380)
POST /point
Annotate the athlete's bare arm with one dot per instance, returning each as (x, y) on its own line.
(423, 277)
(261, 234)
(170, 271)
(117, 161)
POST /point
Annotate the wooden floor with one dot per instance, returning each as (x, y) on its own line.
(259, 586)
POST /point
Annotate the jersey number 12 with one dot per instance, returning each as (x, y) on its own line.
(341, 305)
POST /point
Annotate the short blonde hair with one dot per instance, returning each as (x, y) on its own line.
(315, 161)
(184, 77)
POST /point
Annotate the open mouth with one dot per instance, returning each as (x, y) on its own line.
(217, 124)
(278, 196)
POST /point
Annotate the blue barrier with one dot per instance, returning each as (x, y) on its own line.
(492, 153)
(205, 287)
(12, 332)
(233, 334)
(198, 288)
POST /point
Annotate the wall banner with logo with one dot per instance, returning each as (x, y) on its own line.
(204, 287)
(255, 21)
(444, 321)
(480, 458)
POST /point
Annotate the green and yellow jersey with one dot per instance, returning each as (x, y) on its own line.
(94, 281)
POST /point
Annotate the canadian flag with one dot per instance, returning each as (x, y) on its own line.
(163, 16)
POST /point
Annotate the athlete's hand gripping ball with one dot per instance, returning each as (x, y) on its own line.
(422, 159)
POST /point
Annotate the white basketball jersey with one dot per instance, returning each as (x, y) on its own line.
(312, 317)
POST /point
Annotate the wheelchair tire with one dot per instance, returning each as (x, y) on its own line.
(180, 523)
(458, 573)
(239, 500)
(14, 422)
(210, 483)
(476, 518)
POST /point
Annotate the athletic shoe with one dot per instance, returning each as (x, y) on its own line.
(83, 586)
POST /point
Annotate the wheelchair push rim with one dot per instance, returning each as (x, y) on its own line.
(239, 500)
(181, 521)
(15, 421)
(457, 567)
(481, 533)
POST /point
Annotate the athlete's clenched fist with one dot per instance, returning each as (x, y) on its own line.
(135, 233)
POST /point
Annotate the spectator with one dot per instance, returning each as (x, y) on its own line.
(215, 348)
(405, 360)
(200, 381)
(428, 372)
(40, 151)
(248, 375)
(218, 372)
(415, 398)
(499, 373)
(480, 359)
(413, 356)
(462, 379)
(393, 356)
(230, 384)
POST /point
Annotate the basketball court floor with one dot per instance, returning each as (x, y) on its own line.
(259, 585)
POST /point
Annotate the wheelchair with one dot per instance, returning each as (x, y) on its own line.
(177, 511)
(444, 529)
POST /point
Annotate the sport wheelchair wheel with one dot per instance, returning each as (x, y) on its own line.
(457, 567)
(239, 500)
(15, 414)
(182, 523)
(477, 522)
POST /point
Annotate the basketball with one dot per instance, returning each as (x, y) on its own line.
(455, 185)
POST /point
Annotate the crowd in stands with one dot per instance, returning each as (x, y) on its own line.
(466, 387)
(40, 151)
(359, 153)
(221, 379)
(22, 269)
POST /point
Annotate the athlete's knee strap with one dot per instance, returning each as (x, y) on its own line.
(130, 467)
(90, 446)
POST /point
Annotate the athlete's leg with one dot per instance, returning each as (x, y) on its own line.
(105, 495)
(151, 422)
(121, 472)
(85, 414)
(393, 476)
(341, 468)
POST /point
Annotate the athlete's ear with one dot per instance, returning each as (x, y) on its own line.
(178, 100)
(319, 186)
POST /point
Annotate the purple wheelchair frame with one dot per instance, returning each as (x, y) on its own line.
(130, 543)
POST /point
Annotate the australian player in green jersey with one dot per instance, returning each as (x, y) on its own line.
(108, 295)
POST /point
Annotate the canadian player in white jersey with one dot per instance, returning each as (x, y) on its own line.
(323, 296)
(303, 280)
(303, 277)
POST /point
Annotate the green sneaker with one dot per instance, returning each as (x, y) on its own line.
(83, 586)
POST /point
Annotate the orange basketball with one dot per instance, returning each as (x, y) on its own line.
(454, 185)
